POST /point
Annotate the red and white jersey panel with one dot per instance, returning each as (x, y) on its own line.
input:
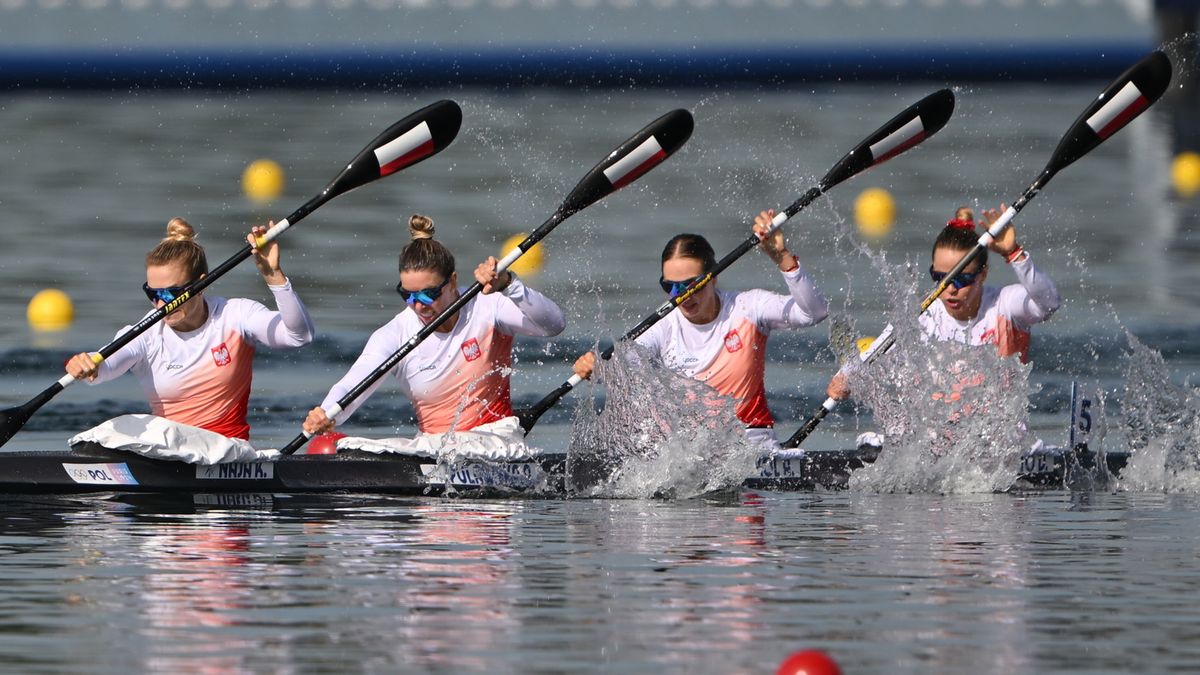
(729, 353)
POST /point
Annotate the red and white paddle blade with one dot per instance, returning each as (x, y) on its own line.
(1120, 103)
(417, 137)
(632, 159)
(904, 131)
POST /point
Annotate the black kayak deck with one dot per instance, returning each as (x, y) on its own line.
(89, 468)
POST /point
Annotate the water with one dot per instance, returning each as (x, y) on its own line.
(895, 583)
(996, 583)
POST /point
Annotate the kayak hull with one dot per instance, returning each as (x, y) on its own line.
(89, 468)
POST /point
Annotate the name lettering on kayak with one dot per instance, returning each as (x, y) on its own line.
(237, 471)
(100, 474)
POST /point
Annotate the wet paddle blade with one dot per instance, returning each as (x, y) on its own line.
(645, 150)
(904, 131)
(1127, 97)
(13, 419)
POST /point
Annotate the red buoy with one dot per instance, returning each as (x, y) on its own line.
(325, 444)
(809, 662)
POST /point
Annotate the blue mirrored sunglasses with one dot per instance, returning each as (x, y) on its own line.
(677, 288)
(961, 280)
(166, 295)
(425, 296)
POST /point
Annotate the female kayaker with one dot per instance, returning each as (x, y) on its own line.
(720, 337)
(458, 378)
(972, 313)
(195, 365)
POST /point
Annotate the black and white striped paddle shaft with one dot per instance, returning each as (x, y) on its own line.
(906, 130)
(419, 136)
(631, 160)
(1131, 94)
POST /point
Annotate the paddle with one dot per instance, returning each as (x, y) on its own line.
(918, 122)
(421, 135)
(1127, 97)
(632, 159)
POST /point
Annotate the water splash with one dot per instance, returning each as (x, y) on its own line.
(954, 415)
(659, 434)
(1162, 420)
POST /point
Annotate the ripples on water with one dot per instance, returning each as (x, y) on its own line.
(988, 583)
(979, 583)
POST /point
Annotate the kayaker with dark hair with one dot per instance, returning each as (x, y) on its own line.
(720, 337)
(196, 364)
(458, 378)
(972, 313)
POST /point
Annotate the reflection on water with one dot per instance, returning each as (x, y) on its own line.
(985, 583)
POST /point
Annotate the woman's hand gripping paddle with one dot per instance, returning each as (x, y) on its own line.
(906, 130)
(421, 135)
(1128, 96)
(636, 156)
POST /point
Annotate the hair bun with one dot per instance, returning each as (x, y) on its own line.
(179, 229)
(964, 219)
(420, 227)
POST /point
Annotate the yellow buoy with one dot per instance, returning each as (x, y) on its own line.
(874, 212)
(1185, 174)
(262, 181)
(864, 343)
(50, 310)
(530, 263)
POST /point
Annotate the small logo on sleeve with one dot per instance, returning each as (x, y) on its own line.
(733, 342)
(221, 355)
(470, 349)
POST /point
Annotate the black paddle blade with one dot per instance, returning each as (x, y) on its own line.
(419, 136)
(1126, 98)
(12, 420)
(906, 130)
(644, 151)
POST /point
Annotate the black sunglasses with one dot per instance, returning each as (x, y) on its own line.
(167, 295)
(425, 296)
(677, 288)
(960, 281)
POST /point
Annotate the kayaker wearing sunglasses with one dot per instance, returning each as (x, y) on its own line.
(196, 364)
(720, 337)
(969, 311)
(458, 378)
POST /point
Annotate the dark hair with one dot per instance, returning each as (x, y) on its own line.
(179, 246)
(691, 246)
(959, 235)
(423, 252)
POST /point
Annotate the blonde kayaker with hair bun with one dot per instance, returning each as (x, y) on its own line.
(196, 364)
(458, 378)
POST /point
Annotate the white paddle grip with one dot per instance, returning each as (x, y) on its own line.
(829, 404)
(273, 233)
(574, 380)
(779, 219)
(509, 259)
(997, 227)
(66, 380)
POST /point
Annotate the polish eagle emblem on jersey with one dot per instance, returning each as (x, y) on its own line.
(733, 342)
(470, 349)
(221, 355)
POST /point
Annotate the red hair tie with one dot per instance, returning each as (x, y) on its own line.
(961, 224)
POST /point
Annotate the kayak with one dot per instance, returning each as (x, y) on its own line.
(90, 468)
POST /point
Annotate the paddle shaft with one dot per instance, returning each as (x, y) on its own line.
(193, 289)
(530, 417)
(397, 356)
(886, 340)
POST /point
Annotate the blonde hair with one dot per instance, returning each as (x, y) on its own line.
(180, 247)
(424, 252)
